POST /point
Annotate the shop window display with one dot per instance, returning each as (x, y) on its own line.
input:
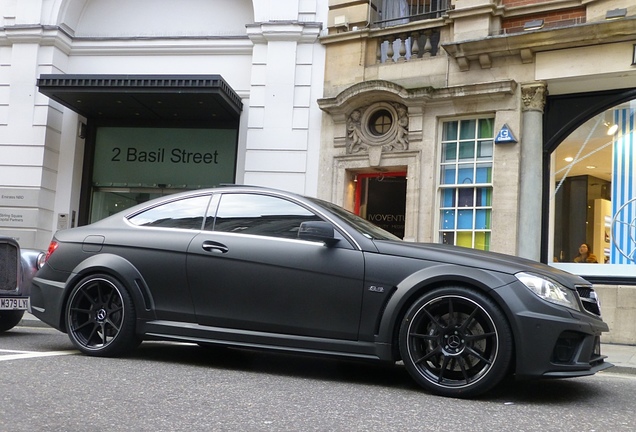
(593, 195)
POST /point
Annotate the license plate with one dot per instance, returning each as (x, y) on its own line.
(14, 303)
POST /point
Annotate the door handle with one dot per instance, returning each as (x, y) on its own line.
(212, 246)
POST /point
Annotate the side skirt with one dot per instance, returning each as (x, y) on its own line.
(196, 333)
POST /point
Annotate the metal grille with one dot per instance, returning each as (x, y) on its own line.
(395, 12)
(589, 299)
(584, 291)
(427, 9)
(8, 266)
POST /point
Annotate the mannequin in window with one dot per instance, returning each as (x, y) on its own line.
(585, 256)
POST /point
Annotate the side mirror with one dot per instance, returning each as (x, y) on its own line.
(317, 231)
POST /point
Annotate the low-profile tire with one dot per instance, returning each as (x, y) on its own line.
(10, 319)
(100, 317)
(456, 342)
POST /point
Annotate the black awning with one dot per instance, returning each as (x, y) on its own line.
(194, 98)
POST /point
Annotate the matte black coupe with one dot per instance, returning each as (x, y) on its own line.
(259, 268)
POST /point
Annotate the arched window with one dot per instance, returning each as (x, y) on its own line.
(592, 195)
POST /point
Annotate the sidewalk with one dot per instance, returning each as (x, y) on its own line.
(622, 356)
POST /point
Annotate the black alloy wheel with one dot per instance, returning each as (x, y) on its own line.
(100, 317)
(456, 342)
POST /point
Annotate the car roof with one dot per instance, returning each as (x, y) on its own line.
(224, 188)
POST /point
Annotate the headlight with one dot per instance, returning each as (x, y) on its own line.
(549, 290)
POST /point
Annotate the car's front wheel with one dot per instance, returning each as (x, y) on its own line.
(100, 317)
(456, 342)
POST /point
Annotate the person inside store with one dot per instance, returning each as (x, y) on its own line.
(585, 255)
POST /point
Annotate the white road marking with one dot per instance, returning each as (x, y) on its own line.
(18, 355)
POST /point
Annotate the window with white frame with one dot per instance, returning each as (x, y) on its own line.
(466, 182)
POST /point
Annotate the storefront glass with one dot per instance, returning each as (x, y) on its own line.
(593, 196)
(135, 164)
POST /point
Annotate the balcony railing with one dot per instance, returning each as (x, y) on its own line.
(403, 47)
(406, 43)
(396, 12)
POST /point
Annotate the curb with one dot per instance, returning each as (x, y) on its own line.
(622, 370)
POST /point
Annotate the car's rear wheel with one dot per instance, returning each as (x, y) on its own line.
(456, 342)
(100, 317)
(10, 319)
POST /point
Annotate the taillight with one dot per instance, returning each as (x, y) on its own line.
(52, 247)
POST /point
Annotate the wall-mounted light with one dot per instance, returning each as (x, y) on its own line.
(615, 13)
(533, 25)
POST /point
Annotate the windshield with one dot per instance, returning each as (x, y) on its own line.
(361, 225)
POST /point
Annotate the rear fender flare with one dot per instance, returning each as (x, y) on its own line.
(122, 270)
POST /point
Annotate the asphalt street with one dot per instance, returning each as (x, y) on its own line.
(47, 386)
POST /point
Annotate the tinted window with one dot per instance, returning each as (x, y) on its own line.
(260, 215)
(186, 213)
(361, 225)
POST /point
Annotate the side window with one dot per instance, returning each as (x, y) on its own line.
(186, 213)
(261, 215)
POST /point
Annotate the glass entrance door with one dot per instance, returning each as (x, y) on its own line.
(381, 199)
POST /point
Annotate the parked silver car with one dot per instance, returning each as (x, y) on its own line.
(17, 268)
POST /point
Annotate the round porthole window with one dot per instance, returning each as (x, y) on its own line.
(380, 122)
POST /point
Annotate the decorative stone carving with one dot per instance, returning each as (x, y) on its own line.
(361, 136)
(533, 96)
(402, 139)
(354, 132)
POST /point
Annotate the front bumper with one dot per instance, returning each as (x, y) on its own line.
(571, 350)
(552, 341)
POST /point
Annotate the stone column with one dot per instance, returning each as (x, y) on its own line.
(533, 97)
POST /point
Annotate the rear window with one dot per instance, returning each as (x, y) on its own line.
(187, 213)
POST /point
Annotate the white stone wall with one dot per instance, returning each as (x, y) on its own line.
(26, 177)
(267, 51)
(284, 126)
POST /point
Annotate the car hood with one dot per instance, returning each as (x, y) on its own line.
(467, 257)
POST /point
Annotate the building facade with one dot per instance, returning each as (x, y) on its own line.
(480, 123)
(107, 103)
(486, 124)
